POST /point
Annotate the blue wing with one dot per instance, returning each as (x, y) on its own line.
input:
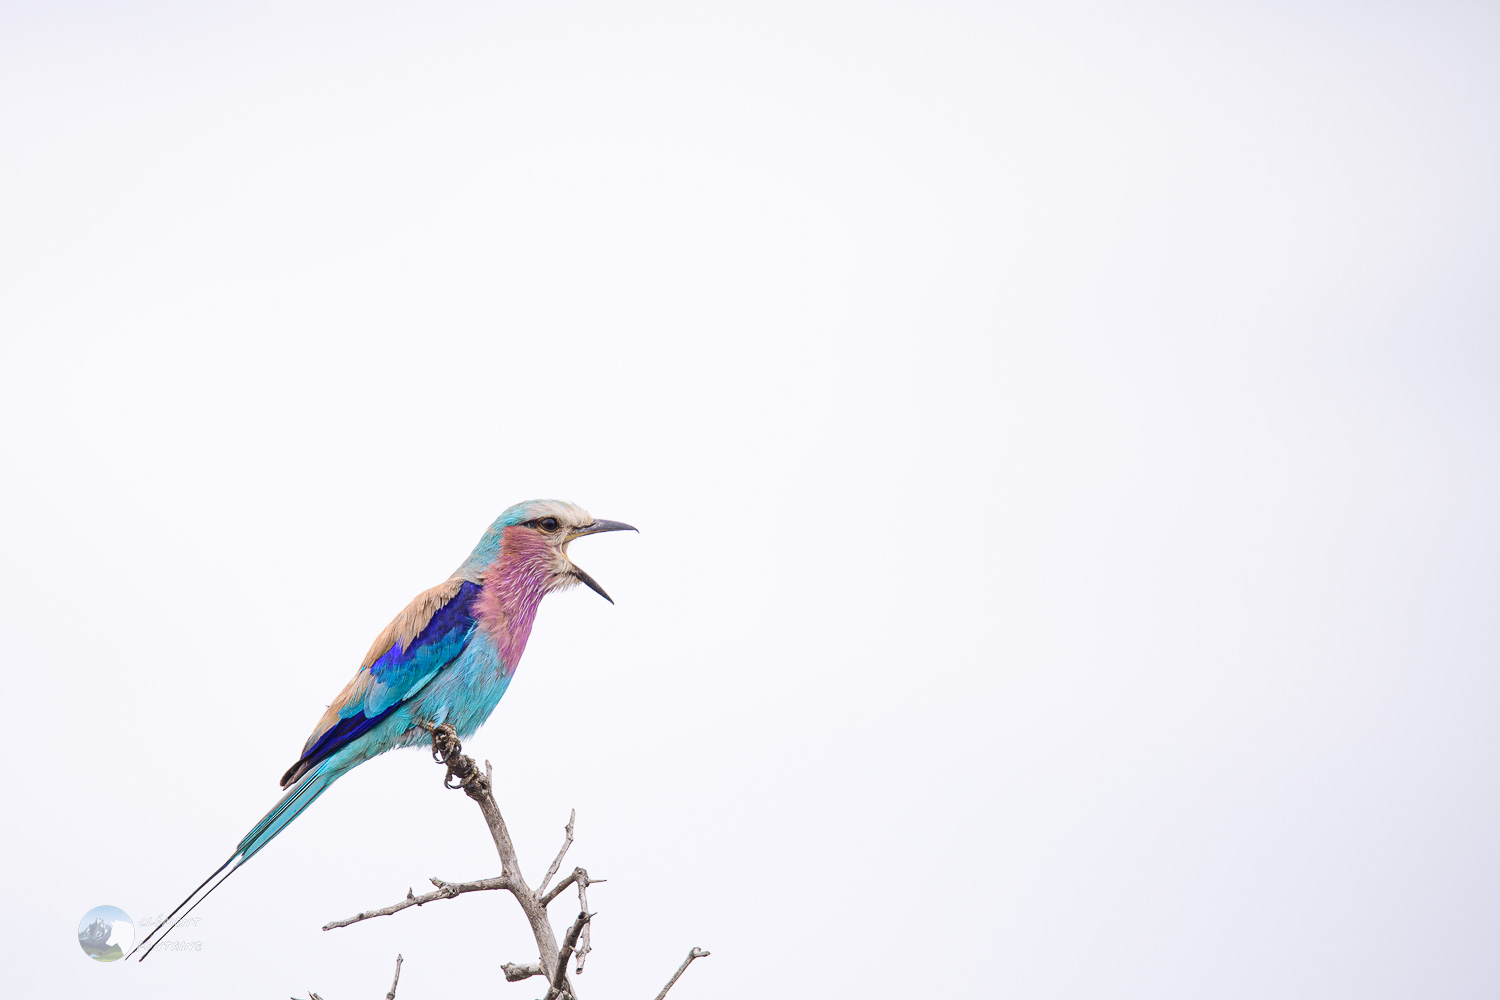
(423, 639)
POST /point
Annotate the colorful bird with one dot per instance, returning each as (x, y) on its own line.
(446, 659)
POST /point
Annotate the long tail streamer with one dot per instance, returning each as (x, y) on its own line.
(298, 798)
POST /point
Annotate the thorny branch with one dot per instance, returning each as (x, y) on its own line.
(578, 873)
(445, 890)
(462, 773)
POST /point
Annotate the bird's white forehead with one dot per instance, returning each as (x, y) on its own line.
(568, 513)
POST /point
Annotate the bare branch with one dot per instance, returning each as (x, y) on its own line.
(389, 996)
(695, 953)
(447, 750)
(583, 907)
(560, 977)
(559, 887)
(515, 973)
(557, 861)
(445, 890)
(462, 773)
(392, 994)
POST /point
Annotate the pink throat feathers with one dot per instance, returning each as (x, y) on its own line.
(514, 585)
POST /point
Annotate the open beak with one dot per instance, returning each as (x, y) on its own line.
(593, 529)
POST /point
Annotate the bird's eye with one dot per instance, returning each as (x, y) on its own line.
(549, 524)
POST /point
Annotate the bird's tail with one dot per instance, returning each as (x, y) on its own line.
(298, 797)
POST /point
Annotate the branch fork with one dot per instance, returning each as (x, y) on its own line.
(461, 773)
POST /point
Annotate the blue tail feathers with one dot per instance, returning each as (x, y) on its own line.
(301, 795)
(298, 797)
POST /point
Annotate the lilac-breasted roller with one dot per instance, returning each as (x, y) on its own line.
(447, 658)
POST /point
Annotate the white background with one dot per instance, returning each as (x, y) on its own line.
(1063, 439)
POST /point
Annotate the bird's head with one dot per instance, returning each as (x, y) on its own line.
(532, 540)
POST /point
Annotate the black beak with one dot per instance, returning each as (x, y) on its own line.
(598, 526)
(592, 584)
(593, 529)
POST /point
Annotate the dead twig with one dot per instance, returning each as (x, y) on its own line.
(462, 772)
(445, 890)
(392, 994)
(515, 973)
(557, 861)
(560, 976)
(695, 953)
(583, 907)
(559, 887)
(394, 981)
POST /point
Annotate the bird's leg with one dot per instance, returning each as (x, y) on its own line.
(431, 731)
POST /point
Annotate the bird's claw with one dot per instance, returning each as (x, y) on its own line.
(445, 742)
(448, 751)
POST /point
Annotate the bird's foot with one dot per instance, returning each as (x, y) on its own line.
(448, 751)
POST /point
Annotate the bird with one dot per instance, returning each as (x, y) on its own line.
(446, 659)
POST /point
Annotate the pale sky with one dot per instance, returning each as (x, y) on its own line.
(1063, 440)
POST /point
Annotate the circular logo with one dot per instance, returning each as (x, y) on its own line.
(106, 933)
